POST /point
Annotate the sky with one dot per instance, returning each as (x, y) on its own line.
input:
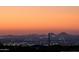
(39, 19)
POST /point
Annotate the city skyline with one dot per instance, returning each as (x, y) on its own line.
(40, 19)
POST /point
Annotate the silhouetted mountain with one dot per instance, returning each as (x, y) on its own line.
(63, 33)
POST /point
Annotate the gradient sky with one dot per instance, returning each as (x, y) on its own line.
(39, 19)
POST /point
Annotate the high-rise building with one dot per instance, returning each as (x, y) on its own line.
(49, 38)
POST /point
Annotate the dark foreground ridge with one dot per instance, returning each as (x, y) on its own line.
(39, 48)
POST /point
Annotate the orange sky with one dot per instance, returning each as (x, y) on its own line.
(39, 19)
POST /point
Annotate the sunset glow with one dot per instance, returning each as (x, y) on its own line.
(39, 19)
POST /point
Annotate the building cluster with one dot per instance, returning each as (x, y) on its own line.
(37, 39)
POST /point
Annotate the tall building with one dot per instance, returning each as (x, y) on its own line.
(49, 38)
